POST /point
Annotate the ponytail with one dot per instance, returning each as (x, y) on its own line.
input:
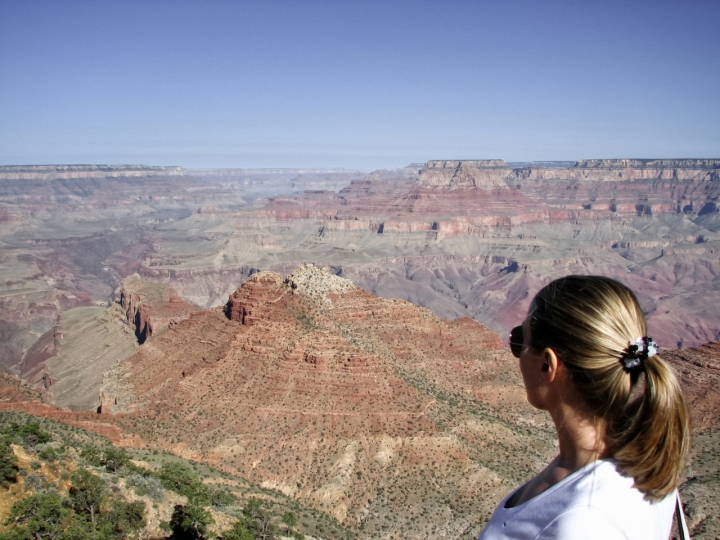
(651, 438)
(590, 321)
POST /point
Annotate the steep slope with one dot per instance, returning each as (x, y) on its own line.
(397, 423)
(69, 360)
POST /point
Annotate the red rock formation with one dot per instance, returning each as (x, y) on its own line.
(151, 308)
(241, 304)
(310, 365)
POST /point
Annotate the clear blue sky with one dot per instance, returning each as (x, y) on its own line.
(363, 84)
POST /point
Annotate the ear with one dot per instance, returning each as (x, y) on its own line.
(551, 365)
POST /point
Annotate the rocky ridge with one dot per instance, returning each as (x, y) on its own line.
(348, 402)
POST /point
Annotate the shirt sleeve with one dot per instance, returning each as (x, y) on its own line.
(582, 523)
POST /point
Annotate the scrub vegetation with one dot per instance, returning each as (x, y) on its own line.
(62, 483)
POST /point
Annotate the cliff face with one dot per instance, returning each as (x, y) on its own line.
(656, 164)
(623, 187)
(484, 174)
(151, 307)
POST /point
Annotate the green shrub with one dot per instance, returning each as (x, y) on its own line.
(146, 485)
(8, 465)
(220, 498)
(183, 480)
(29, 435)
(48, 454)
(114, 458)
(92, 456)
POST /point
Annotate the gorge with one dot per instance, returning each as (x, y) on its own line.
(345, 325)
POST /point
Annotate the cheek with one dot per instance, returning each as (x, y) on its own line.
(530, 380)
(525, 370)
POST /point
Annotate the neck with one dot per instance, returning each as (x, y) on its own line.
(581, 437)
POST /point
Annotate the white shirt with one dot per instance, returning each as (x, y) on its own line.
(594, 503)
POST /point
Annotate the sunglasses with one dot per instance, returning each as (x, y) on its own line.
(516, 341)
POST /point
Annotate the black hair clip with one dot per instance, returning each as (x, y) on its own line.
(637, 352)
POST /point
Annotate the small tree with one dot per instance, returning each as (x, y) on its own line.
(190, 522)
(183, 480)
(86, 493)
(114, 458)
(289, 519)
(125, 518)
(258, 520)
(81, 529)
(220, 498)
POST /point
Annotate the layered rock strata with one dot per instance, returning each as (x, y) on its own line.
(348, 402)
(395, 421)
(151, 307)
(477, 238)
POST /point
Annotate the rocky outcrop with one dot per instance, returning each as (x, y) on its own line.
(484, 174)
(255, 291)
(149, 307)
(319, 389)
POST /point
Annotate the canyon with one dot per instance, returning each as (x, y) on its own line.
(475, 238)
(395, 422)
(464, 238)
(334, 335)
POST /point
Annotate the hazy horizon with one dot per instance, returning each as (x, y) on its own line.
(366, 85)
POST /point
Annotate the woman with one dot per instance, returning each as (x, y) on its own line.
(620, 415)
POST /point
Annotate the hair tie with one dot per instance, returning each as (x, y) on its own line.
(637, 352)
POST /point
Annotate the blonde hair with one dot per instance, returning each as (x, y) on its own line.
(589, 321)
